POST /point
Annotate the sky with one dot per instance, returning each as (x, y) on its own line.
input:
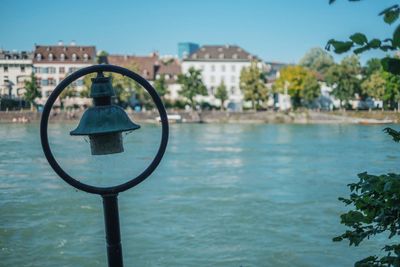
(274, 30)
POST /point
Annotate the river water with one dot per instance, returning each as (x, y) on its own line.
(224, 195)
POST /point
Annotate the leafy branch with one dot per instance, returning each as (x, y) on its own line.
(359, 43)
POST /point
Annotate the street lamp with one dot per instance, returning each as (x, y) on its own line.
(104, 124)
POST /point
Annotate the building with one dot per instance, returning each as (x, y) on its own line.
(15, 69)
(51, 64)
(187, 48)
(151, 68)
(221, 64)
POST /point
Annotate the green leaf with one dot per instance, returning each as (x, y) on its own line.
(375, 43)
(391, 65)
(339, 47)
(391, 17)
(359, 38)
(361, 49)
(388, 9)
(393, 133)
(396, 37)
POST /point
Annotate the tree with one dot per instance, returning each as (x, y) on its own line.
(375, 210)
(68, 92)
(374, 86)
(192, 85)
(373, 65)
(345, 78)
(359, 43)
(161, 86)
(392, 90)
(300, 83)
(317, 59)
(32, 91)
(375, 198)
(221, 94)
(252, 83)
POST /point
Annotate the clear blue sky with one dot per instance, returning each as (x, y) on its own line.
(275, 30)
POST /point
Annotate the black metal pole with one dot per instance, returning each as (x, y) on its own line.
(113, 235)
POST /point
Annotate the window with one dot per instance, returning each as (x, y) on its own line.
(207, 56)
(52, 70)
(233, 67)
(233, 89)
(74, 57)
(62, 57)
(211, 90)
(36, 70)
(48, 93)
(5, 69)
(61, 70)
(221, 56)
(44, 70)
(212, 79)
(233, 79)
(202, 67)
(38, 57)
(22, 69)
(223, 68)
(51, 81)
(212, 68)
(234, 56)
(44, 82)
(51, 57)
(85, 57)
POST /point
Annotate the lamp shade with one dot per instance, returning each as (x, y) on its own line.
(104, 122)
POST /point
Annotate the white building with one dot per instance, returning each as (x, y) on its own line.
(53, 63)
(220, 63)
(15, 68)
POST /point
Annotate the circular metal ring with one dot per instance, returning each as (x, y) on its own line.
(45, 141)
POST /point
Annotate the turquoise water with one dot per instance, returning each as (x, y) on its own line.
(224, 195)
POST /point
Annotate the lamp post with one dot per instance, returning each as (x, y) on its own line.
(104, 123)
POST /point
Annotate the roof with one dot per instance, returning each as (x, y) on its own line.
(64, 54)
(220, 53)
(147, 66)
(144, 64)
(14, 55)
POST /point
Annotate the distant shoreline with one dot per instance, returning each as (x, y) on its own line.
(298, 117)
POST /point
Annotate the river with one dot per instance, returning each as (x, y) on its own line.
(224, 195)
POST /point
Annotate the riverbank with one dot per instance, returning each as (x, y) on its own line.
(301, 117)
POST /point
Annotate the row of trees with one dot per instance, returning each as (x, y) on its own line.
(348, 80)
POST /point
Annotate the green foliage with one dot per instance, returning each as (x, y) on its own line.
(32, 90)
(344, 78)
(317, 60)
(192, 85)
(392, 90)
(221, 94)
(372, 65)
(375, 199)
(161, 86)
(253, 85)
(300, 83)
(374, 86)
(360, 43)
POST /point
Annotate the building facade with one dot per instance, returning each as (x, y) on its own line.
(151, 68)
(221, 64)
(15, 69)
(51, 64)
